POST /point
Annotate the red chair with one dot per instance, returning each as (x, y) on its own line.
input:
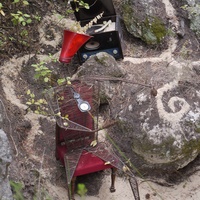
(75, 133)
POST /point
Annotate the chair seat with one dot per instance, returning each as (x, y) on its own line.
(88, 162)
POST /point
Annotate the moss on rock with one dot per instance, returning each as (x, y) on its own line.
(153, 32)
(150, 28)
(166, 152)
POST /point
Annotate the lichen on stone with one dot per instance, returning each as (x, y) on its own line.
(145, 22)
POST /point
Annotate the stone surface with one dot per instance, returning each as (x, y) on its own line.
(5, 191)
(145, 19)
(163, 130)
(5, 160)
(193, 9)
(100, 64)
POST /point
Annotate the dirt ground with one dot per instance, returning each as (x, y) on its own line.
(32, 136)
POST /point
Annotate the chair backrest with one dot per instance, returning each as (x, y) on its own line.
(76, 137)
(76, 140)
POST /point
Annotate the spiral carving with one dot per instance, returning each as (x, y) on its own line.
(172, 117)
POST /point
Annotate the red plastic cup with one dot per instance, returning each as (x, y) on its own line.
(72, 42)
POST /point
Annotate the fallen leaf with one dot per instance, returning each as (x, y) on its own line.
(107, 163)
(125, 168)
(93, 143)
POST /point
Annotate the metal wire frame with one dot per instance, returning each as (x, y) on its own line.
(69, 117)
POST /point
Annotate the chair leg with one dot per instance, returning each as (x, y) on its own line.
(71, 189)
(113, 175)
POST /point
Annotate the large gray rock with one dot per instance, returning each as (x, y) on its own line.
(5, 191)
(162, 130)
(193, 9)
(145, 19)
(5, 160)
(100, 64)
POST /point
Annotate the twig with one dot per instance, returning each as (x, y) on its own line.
(108, 78)
(106, 125)
(4, 27)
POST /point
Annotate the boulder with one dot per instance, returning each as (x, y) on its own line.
(100, 64)
(161, 125)
(158, 124)
(5, 160)
(145, 19)
(5, 191)
(193, 9)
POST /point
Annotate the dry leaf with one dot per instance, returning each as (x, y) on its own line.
(1, 11)
(125, 168)
(93, 143)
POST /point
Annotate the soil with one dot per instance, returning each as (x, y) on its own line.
(33, 143)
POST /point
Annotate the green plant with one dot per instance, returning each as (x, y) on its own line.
(39, 106)
(23, 2)
(37, 17)
(41, 71)
(76, 26)
(53, 59)
(20, 2)
(24, 33)
(66, 80)
(81, 189)
(17, 190)
(81, 4)
(45, 74)
(20, 18)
